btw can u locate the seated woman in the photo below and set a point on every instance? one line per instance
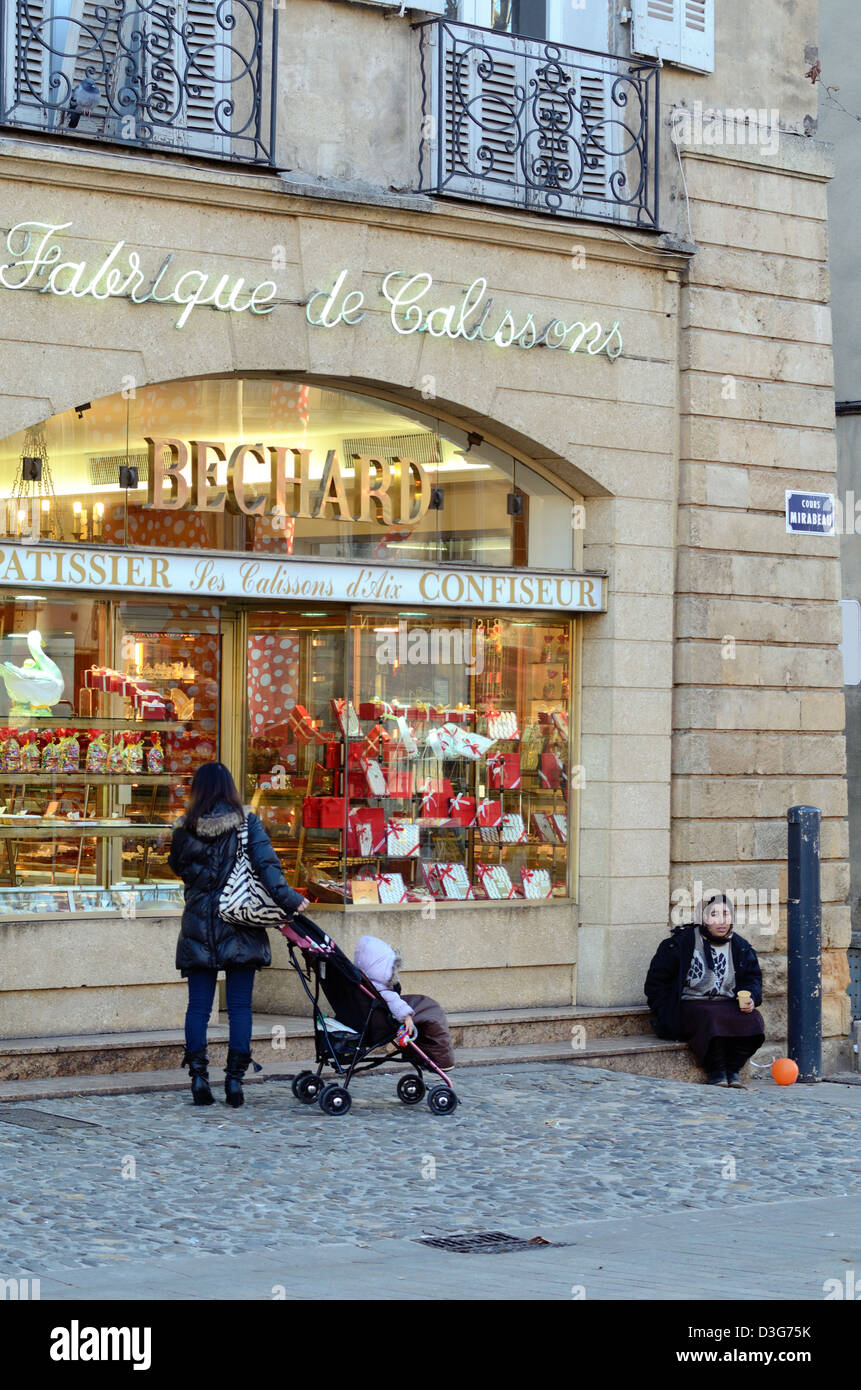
(703, 987)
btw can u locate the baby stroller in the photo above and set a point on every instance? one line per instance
(363, 1026)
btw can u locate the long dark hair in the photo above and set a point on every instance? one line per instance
(211, 784)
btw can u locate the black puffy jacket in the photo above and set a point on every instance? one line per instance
(668, 971)
(203, 860)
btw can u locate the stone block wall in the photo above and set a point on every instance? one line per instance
(758, 712)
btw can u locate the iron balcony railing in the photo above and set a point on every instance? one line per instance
(194, 77)
(538, 125)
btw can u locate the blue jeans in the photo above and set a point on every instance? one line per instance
(201, 992)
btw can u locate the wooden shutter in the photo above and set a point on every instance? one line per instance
(478, 114)
(677, 31)
(698, 35)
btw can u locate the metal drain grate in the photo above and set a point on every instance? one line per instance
(40, 1119)
(486, 1243)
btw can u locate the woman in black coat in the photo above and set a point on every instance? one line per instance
(202, 853)
(704, 985)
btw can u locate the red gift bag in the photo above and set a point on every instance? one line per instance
(503, 771)
(550, 771)
(366, 831)
(311, 812)
(401, 780)
(332, 811)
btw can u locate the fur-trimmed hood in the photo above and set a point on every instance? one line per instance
(218, 822)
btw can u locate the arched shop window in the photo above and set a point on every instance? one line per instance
(275, 465)
(398, 751)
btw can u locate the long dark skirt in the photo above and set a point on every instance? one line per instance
(705, 1019)
(434, 1037)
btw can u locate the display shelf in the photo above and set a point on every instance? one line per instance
(32, 828)
(96, 721)
(99, 779)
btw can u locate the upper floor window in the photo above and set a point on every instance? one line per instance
(556, 21)
(183, 75)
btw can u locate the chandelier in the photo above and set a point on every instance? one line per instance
(31, 510)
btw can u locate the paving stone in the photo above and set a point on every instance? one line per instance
(527, 1150)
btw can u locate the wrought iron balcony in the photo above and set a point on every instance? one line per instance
(191, 77)
(536, 125)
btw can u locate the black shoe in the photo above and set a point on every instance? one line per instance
(237, 1066)
(198, 1066)
(733, 1079)
(716, 1078)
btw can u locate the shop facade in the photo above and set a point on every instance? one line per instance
(436, 521)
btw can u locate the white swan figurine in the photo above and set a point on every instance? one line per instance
(37, 684)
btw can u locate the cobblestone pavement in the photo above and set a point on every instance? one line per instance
(151, 1178)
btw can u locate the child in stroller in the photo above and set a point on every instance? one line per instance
(365, 1033)
(424, 1017)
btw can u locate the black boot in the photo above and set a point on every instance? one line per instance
(237, 1066)
(198, 1066)
(716, 1063)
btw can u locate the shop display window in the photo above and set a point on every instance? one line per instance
(392, 757)
(443, 775)
(105, 711)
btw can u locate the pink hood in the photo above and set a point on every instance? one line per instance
(376, 959)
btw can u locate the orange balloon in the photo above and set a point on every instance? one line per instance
(784, 1071)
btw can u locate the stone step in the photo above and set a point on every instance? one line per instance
(288, 1038)
(641, 1055)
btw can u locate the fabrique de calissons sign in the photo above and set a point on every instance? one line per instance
(40, 263)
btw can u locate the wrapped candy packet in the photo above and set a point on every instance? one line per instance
(69, 750)
(97, 751)
(12, 754)
(116, 755)
(134, 754)
(155, 756)
(50, 754)
(31, 754)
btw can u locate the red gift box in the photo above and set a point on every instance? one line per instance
(462, 809)
(333, 756)
(375, 709)
(311, 812)
(357, 787)
(299, 723)
(152, 707)
(97, 678)
(503, 771)
(375, 818)
(550, 771)
(489, 813)
(434, 803)
(332, 811)
(374, 741)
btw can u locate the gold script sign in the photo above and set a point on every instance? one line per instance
(182, 475)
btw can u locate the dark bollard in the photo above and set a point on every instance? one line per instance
(804, 945)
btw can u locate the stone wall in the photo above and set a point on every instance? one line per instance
(758, 706)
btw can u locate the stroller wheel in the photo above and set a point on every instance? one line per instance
(335, 1100)
(442, 1100)
(307, 1087)
(411, 1090)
